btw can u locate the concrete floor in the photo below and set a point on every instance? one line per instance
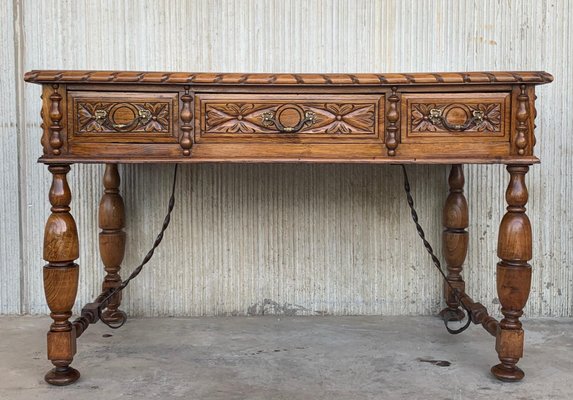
(285, 358)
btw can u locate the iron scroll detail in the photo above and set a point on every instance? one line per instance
(435, 259)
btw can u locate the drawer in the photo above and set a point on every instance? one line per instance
(457, 117)
(135, 117)
(289, 118)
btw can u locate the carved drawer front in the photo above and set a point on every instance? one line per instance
(136, 117)
(288, 118)
(455, 117)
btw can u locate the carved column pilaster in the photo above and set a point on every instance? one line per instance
(186, 122)
(56, 115)
(392, 117)
(522, 115)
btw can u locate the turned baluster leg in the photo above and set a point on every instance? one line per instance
(513, 275)
(61, 278)
(112, 239)
(455, 241)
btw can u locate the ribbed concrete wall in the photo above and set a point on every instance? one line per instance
(286, 238)
(10, 245)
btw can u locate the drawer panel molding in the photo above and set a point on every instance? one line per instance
(456, 115)
(289, 117)
(107, 117)
(123, 116)
(333, 118)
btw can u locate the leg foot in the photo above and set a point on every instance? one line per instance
(62, 376)
(114, 316)
(507, 373)
(448, 314)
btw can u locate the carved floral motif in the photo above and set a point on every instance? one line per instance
(491, 121)
(235, 118)
(89, 121)
(330, 118)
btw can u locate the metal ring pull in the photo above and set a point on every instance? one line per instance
(271, 118)
(438, 119)
(143, 117)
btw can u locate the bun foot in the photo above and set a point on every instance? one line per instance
(62, 376)
(449, 314)
(114, 316)
(507, 374)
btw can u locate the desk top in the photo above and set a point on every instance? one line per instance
(450, 78)
(161, 117)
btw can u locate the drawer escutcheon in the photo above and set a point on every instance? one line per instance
(305, 118)
(437, 118)
(143, 117)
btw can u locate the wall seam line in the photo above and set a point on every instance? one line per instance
(18, 27)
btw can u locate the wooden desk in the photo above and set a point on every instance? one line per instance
(155, 117)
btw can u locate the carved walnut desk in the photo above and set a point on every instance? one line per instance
(155, 117)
